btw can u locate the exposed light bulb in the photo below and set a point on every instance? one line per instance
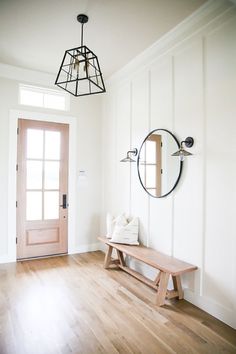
(86, 65)
(181, 157)
(76, 65)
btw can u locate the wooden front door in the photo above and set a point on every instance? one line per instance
(42, 174)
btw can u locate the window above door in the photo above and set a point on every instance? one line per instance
(43, 97)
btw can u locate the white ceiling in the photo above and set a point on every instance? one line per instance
(35, 33)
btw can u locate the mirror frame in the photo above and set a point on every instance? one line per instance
(180, 167)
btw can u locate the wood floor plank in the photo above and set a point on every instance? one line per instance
(71, 304)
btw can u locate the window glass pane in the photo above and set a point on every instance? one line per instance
(51, 205)
(51, 175)
(52, 145)
(34, 175)
(34, 144)
(151, 176)
(54, 101)
(33, 205)
(31, 98)
(151, 151)
(141, 172)
(142, 157)
(43, 97)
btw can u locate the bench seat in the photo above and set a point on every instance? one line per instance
(166, 265)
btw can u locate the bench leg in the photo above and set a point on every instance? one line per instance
(162, 289)
(177, 286)
(157, 279)
(121, 258)
(108, 257)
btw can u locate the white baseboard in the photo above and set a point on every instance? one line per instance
(6, 259)
(81, 249)
(206, 304)
(86, 248)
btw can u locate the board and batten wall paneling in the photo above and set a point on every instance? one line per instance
(189, 121)
(123, 131)
(189, 89)
(108, 157)
(220, 237)
(161, 116)
(140, 128)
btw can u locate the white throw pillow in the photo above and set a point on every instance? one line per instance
(126, 233)
(110, 222)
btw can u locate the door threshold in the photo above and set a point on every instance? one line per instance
(42, 257)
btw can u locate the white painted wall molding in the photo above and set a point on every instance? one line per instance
(190, 26)
(25, 75)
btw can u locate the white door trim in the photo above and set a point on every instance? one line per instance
(12, 177)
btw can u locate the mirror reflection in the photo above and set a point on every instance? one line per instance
(159, 172)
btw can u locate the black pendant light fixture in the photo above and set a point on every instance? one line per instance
(80, 72)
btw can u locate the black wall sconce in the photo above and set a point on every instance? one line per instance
(188, 142)
(128, 157)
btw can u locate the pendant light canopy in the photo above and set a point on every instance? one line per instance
(80, 72)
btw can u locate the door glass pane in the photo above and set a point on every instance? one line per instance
(52, 145)
(34, 175)
(51, 205)
(34, 144)
(33, 205)
(51, 175)
(151, 152)
(151, 176)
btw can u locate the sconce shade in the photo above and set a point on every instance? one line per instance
(128, 158)
(181, 152)
(80, 72)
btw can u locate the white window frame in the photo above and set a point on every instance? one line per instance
(44, 90)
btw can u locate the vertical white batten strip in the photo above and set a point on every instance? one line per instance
(173, 128)
(130, 133)
(149, 128)
(204, 166)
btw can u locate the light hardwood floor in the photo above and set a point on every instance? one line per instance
(71, 304)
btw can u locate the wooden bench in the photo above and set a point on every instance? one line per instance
(166, 266)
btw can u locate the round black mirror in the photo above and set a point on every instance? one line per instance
(158, 171)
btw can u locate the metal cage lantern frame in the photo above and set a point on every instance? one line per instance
(80, 72)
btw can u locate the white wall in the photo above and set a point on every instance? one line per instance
(87, 113)
(185, 83)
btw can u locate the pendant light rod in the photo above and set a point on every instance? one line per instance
(81, 18)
